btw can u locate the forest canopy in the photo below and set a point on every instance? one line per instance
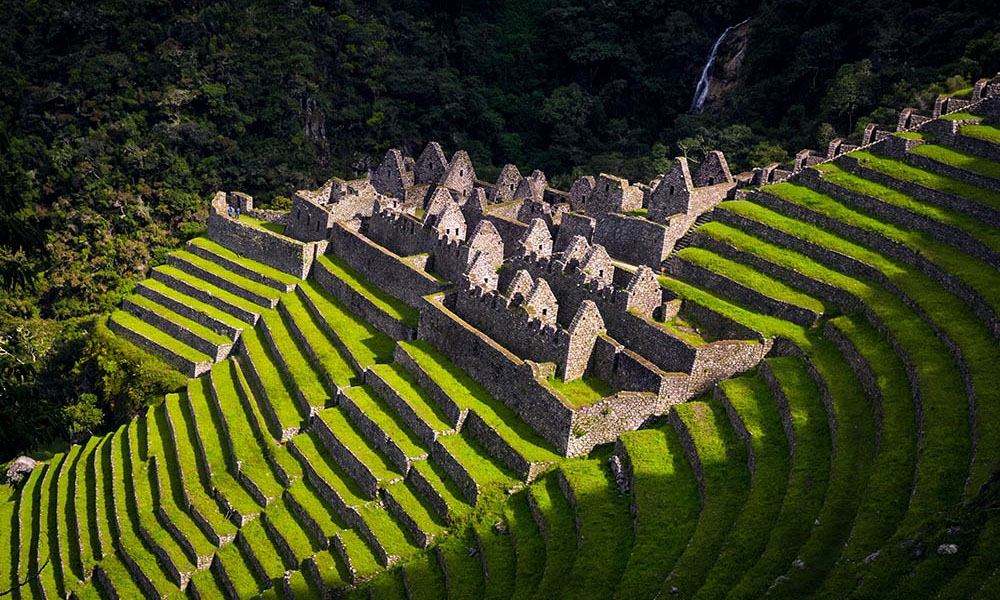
(119, 118)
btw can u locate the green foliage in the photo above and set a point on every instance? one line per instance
(123, 378)
(83, 417)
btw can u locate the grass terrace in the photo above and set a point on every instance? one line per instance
(987, 133)
(226, 253)
(961, 116)
(309, 445)
(330, 356)
(499, 558)
(666, 505)
(422, 404)
(752, 279)
(305, 377)
(47, 540)
(727, 482)
(362, 448)
(436, 476)
(224, 296)
(914, 135)
(373, 407)
(277, 391)
(329, 522)
(604, 535)
(468, 393)
(194, 327)
(807, 481)
(362, 559)
(388, 532)
(962, 160)
(227, 388)
(302, 543)
(263, 547)
(238, 572)
(416, 507)
(88, 546)
(265, 225)
(752, 401)
(333, 572)
(974, 227)
(583, 391)
(464, 571)
(206, 309)
(147, 331)
(203, 424)
(907, 172)
(66, 531)
(560, 537)
(365, 343)
(425, 578)
(391, 305)
(529, 545)
(203, 264)
(474, 458)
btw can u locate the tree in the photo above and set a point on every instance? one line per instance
(852, 89)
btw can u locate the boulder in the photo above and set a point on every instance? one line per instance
(20, 469)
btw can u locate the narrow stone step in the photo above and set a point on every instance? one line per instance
(383, 428)
(203, 313)
(244, 267)
(191, 333)
(218, 276)
(216, 297)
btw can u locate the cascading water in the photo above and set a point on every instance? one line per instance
(701, 91)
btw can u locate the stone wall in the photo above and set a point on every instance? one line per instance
(282, 253)
(633, 239)
(361, 305)
(381, 267)
(504, 375)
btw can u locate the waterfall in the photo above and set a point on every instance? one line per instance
(701, 90)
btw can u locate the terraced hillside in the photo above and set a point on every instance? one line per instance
(857, 461)
(318, 455)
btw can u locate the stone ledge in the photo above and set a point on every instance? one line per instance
(188, 367)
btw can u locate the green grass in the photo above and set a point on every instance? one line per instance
(806, 485)
(942, 467)
(958, 320)
(263, 548)
(605, 530)
(583, 391)
(332, 570)
(376, 409)
(327, 469)
(561, 540)
(751, 399)
(488, 474)
(186, 473)
(224, 296)
(362, 448)
(752, 279)
(666, 507)
(139, 493)
(986, 133)
(194, 327)
(203, 423)
(389, 304)
(464, 573)
(238, 571)
(305, 377)
(331, 358)
(361, 556)
(66, 528)
(961, 116)
(120, 578)
(325, 516)
(124, 528)
(83, 510)
(274, 228)
(972, 226)
(298, 538)
(277, 390)
(239, 281)
(425, 577)
(888, 494)
(727, 482)
(913, 135)
(389, 585)
(467, 393)
(388, 532)
(366, 344)
(528, 544)
(957, 158)
(46, 540)
(907, 172)
(148, 331)
(265, 270)
(195, 304)
(499, 558)
(435, 475)
(227, 387)
(422, 404)
(416, 507)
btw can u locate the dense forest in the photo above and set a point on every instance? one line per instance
(119, 118)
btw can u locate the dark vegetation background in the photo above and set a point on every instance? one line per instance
(118, 118)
